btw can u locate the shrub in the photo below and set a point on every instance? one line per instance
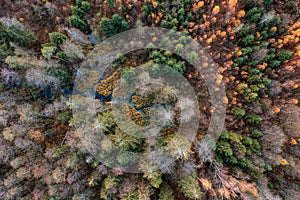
(248, 40)
(77, 19)
(284, 55)
(144, 191)
(128, 74)
(255, 18)
(85, 6)
(241, 61)
(13, 31)
(76, 22)
(57, 38)
(78, 2)
(289, 5)
(125, 141)
(224, 148)
(246, 50)
(252, 96)
(233, 148)
(246, 163)
(274, 22)
(267, 82)
(77, 11)
(59, 152)
(244, 31)
(111, 3)
(106, 26)
(264, 106)
(113, 26)
(154, 177)
(254, 11)
(105, 121)
(64, 117)
(62, 55)
(268, 2)
(48, 51)
(126, 157)
(21, 37)
(238, 113)
(252, 118)
(108, 183)
(179, 48)
(193, 57)
(79, 23)
(148, 8)
(5, 50)
(179, 147)
(166, 193)
(190, 187)
(120, 23)
(256, 133)
(275, 64)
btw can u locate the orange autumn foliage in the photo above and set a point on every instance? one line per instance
(223, 34)
(231, 5)
(293, 141)
(154, 4)
(241, 13)
(216, 10)
(283, 161)
(276, 109)
(197, 6)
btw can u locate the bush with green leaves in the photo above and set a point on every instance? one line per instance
(284, 55)
(179, 147)
(77, 19)
(248, 40)
(170, 23)
(241, 61)
(125, 141)
(234, 149)
(108, 183)
(252, 118)
(114, 25)
(190, 187)
(289, 5)
(13, 31)
(256, 133)
(179, 17)
(57, 38)
(85, 6)
(169, 59)
(77, 11)
(78, 22)
(275, 64)
(148, 8)
(48, 51)
(111, 3)
(128, 73)
(154, 177)
(238, 113)
(243, 31)
(254, 11)
(166, 193)
(257, 50)
(255, 18)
